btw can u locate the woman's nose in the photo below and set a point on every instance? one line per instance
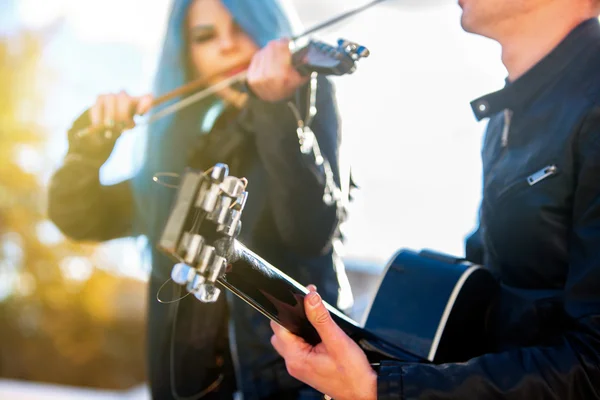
(228, 43)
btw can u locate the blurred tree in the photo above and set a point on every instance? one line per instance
(62, 320)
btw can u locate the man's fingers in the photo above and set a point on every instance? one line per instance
(331, 334)
(311, 288)
(277, 329)
(285, 341)
(278, 345)
(283, 333)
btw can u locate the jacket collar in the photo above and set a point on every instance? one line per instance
(524, 90)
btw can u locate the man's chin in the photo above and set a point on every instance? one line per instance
(467, 23)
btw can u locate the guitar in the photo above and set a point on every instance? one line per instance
(429, 307)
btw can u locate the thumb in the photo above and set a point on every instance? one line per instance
(284, 41)
(144, 103)
(331, 334)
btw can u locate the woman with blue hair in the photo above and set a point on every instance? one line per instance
(293, 212)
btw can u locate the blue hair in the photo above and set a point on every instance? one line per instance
(169, 140)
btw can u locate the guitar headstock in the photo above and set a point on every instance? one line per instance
(204, 221)
(329, 60)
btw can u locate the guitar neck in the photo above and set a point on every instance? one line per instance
(281, 299)
(276, 295)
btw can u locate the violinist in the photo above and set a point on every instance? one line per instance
(211, 351)
(539, 228)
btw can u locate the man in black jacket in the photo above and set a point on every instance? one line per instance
(539, 227)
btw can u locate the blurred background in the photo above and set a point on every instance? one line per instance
(71, 315)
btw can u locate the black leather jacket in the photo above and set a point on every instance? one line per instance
(285, 220)
(540, 232)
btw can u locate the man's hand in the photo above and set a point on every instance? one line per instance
(271, 75)
(336, 367)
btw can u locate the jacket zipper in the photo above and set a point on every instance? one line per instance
(532, 179)
(541, 174)
(506, 129)
(503, 142)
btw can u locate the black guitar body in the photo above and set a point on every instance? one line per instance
(432, 305)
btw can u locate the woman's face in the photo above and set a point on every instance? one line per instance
(216, 42)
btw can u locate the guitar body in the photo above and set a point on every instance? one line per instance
(432, 305)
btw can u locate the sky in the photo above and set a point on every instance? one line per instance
(408, 130)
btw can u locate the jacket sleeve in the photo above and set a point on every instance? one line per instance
(566, 369)
(298, 182)
(78, 204)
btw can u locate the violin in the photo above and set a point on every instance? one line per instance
(315, 57)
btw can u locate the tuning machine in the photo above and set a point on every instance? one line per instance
(355, 50)
(201, 278)
(223, 198)
(202, 249)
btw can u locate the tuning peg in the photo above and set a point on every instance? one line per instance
(182, 273)
(194, 246)
(216, 269)
(353, 48)
(343, 43)
(195, 284)
(219, 172)
(184, 243)
(363, 52)
(207, 293)
(205, 259)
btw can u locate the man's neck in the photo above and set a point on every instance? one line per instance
(538, 34)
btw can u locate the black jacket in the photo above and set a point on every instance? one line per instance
(539, 231)
(285, 220)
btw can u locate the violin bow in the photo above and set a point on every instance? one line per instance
(337, 19)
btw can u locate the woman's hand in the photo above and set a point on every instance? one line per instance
(233, 96)
(336, 366)
(115, 111)
(271, 75)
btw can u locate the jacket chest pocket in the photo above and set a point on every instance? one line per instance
(523, 201)
(536, 178)
(527, 224)
(530, 207)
